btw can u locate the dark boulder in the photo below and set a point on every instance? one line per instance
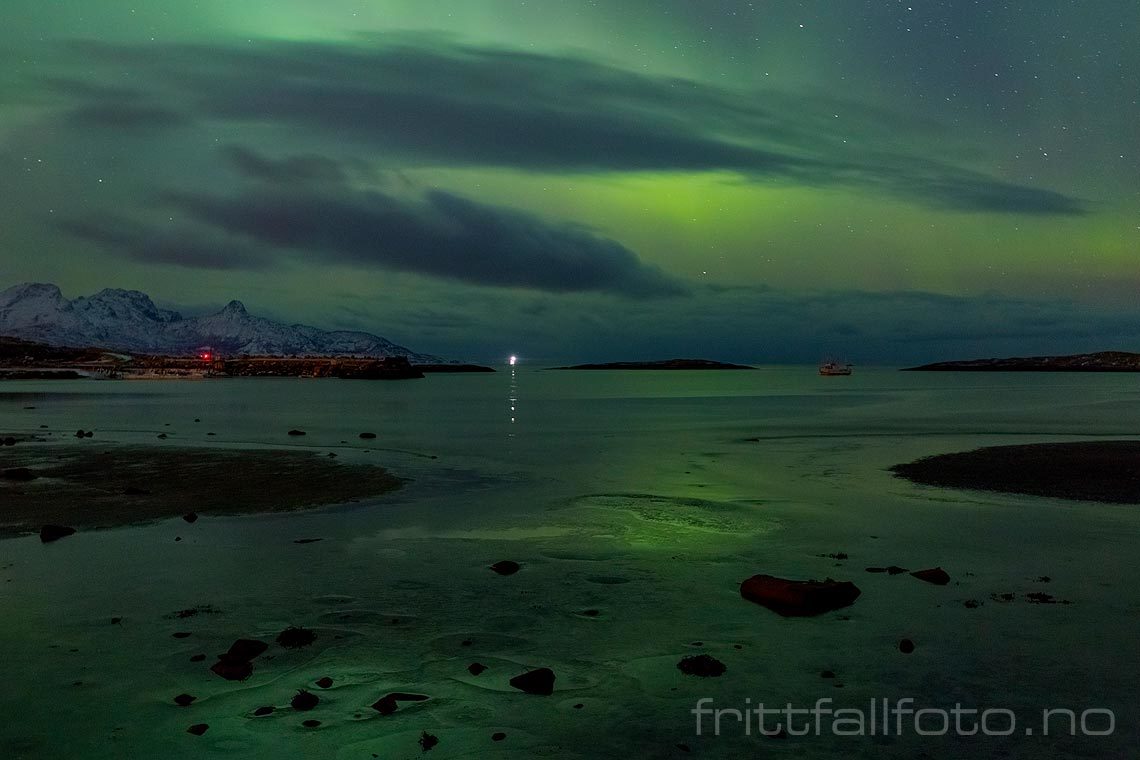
(799, 598)
(304, 700)
(906, 646)
(476, 668)
(19, 474)
(261, 712)
(190, 517)
(325, 683)
(539, 681)
(935, 575)
(232, 670)
(245, 650)
(49, 533)
(367, 436)
(389, 703)
(506, 567)
(198, 729)
(310, 723)
(428, 741)
(296, 433)
(892, 570)
(498, 736)
(296, 637)
(701, 665)
(235, 664)
(184, 700)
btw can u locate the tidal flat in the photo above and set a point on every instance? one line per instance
(592, 529)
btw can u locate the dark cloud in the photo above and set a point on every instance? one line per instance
(95, 105)
(125, 116)
(178, 245)
(291, 171)
(304, 207)
(426, 102)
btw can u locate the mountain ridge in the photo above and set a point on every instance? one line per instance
(128, 320)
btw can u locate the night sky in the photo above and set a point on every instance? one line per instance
(617, 179)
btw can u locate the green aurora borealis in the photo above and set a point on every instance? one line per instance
(764, 181)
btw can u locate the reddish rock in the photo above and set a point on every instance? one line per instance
(539, 681)
(935, 575)
(799, 598)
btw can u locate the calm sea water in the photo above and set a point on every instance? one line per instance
(646, 497)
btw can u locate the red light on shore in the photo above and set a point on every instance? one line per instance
(205, 356)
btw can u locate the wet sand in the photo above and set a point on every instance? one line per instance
(100, 486)
(1088, 471)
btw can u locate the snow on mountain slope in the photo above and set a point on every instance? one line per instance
(128, 320)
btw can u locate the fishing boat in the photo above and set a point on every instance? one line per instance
(834, 369)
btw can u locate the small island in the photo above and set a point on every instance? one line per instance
(673, 364)
(1103, 361)
(1086, 471)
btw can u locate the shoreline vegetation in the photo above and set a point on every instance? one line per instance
(1102, 361)
(1101, 471)
(25, 360)
(670, 364)
(114, 486)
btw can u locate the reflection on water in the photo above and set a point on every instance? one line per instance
(513, 394)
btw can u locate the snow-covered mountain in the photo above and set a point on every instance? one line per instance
(127, 320)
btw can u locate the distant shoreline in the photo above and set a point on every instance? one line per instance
(1103, 361)
(26, 360)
